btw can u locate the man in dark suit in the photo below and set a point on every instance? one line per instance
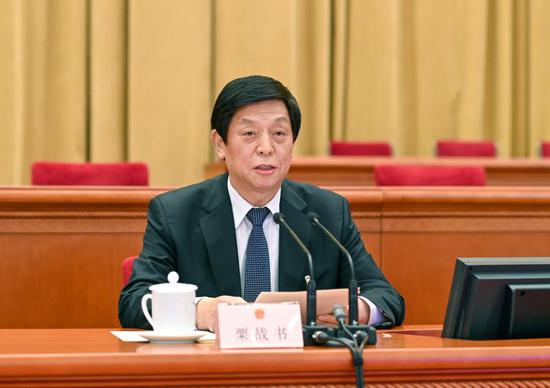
(207, 234)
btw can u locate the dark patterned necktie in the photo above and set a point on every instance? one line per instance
(256, 269)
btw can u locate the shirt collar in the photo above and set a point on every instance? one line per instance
(241, 206)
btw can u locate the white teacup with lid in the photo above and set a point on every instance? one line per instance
(172, 305)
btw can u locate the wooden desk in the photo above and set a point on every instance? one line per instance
(61, 249)
(358, 171)
(417, 355)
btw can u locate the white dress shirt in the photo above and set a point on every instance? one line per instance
(243, 228)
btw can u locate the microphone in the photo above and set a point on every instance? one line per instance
(352, 291)
(311, 327)
(338, 312)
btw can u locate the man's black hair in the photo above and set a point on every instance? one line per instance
(248, 90)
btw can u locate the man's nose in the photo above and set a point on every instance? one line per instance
(265, 145)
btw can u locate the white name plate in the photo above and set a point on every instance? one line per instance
(259, 325)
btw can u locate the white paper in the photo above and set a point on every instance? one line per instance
(326, 299)
(208, 338)
(128, 336)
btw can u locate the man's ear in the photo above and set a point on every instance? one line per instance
(219, 144)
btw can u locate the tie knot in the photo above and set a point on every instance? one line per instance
(257, 215)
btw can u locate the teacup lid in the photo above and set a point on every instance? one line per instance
(173, 285)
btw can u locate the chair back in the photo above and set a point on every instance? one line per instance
(416, 175)
(545, 149)
(360, 148)
(90, 174)
(466, 148)
(127, 267)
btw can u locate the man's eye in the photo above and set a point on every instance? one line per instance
(248, 133)
(280, 133)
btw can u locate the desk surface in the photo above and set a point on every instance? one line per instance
(94, 357)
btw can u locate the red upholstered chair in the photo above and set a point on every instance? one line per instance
(415, 175)
(360, 148)
(127, 267)
(466, 148)
(545, 149)
(90, 174)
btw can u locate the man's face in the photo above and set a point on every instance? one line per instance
(258, 149)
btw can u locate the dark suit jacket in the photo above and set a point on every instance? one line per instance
(191, 230)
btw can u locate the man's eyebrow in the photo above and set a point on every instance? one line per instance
(246, 121)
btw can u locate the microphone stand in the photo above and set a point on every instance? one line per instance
(353, 327)
(310, 328)
(353, 335)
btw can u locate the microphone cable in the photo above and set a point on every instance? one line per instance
(356, 352)
(340, 316)
(355, 346)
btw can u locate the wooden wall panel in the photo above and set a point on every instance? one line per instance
(424, 231)
(63, 279)
(61, 252)
(61, 249)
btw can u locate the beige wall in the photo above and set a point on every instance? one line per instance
(110, 80)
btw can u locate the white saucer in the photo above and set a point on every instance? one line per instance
(172, 337)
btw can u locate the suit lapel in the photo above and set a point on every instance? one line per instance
(292, 260)
(218, 231)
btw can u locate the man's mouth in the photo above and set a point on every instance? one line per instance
(264, 167)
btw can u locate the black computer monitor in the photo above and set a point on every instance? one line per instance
(498, 298)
